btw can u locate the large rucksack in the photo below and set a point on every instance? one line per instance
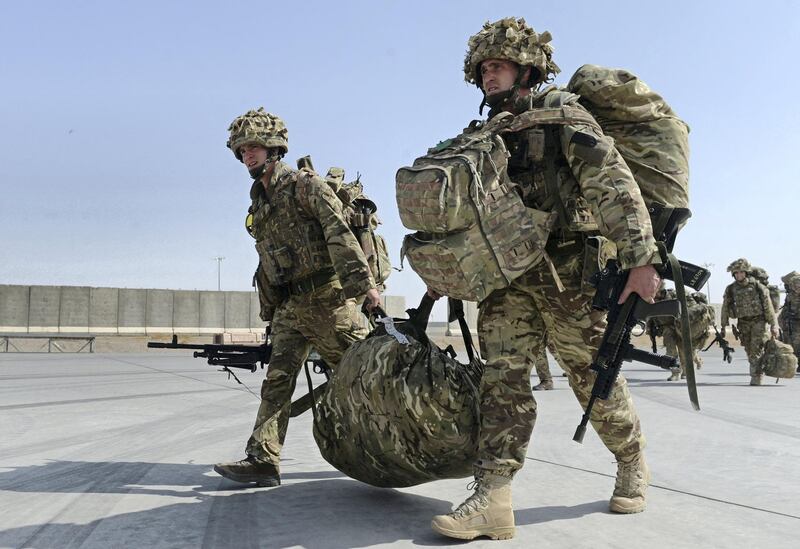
(362, 218)
(398, 410)
(701, 316)
(778, 360)
(474, 233)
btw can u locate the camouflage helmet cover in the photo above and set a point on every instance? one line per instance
(760, 274)
(791, 280)
(740, 264)
(700, 297)
(511, 39)
(260, 127)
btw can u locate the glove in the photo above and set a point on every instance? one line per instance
(722, 331)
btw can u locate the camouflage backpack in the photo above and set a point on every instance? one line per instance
(362, 218)
(398, 410)
(778, 360)
(474, 234)
(701, 316)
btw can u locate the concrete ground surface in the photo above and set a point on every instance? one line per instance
(116, 450)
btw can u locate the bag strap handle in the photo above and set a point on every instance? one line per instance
(456, 312)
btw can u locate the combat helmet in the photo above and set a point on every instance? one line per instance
(791, 280)
(700, 297)
(760, 274)
(740, 264)
(260, 127)
(511, 39)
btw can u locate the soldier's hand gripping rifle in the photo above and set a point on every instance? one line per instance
(727, 350)
(616, 346)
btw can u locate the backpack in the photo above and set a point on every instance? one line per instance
(701, 316)
(398, 410)
(362, 218)
(778, 360)
(474, 233)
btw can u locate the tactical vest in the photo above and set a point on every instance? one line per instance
(538, 165)
(290, 244)
(791, 307)
(746, 301)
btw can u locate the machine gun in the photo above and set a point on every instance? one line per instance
(247, 357)
(616, 346)
(727, 350)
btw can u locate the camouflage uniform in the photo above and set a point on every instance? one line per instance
(789, 318)
(305, 311)
(748, 301)
(311, 270)
(593, 180)
(540, 361)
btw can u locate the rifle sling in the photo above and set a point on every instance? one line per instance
(685, 348)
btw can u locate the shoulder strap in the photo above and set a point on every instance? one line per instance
(456, 312)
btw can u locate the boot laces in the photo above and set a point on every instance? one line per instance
(630, 478)
(477, 501)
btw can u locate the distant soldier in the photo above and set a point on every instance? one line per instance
(774, 293)
(747, 300)
(311, 271)
(789, 318)
(665, 327)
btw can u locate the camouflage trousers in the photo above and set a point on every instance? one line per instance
(321, 319)
(540, 360)
(673, 339)
(753, 334)
(510, 328)
(791, 335)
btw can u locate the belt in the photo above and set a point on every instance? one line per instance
(311, 282)
(749, 318)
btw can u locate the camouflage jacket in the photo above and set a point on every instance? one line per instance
(300, 230)
(790, 312)
(595, 184)
(747, 299)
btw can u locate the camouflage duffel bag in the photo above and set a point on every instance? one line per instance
(398, 410)
(778, 360)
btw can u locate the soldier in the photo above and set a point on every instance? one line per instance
(541, 364)
(747, 300)
(789, 318)
(508, 61)
(311, 271)
(774, 293)
(667, 329)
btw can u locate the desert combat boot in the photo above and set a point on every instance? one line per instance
(633, 477)
(487, 512)
(250, 469)
(545, 385)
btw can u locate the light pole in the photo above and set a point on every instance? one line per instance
(219, 269)
(708, 267)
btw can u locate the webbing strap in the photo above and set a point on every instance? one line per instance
(685, 348)
(551, 174)
(311, 392)
(456, 307)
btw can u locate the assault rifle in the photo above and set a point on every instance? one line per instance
(654, 330)
(616, 346)
(727, 350)
(247, 357)
(736, 333)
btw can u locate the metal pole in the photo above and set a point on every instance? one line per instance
(708, 267)
(219, 269)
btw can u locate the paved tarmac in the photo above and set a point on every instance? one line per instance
(116, 450)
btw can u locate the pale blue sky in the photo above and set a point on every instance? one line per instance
(113, 119)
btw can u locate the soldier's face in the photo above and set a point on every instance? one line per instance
(253, 156)
(497, 76)
(739, 275)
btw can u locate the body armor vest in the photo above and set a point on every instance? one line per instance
(539, 167)
(792, 306)
(746, 300)
(291, 244)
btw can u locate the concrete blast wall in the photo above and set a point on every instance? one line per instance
(81, 309)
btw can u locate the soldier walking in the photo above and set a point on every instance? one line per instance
(748, 301)
(508, 61)
(789, 318)
(311, 273)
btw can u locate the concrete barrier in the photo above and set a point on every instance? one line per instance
(43, 310)
(14, 308)
(186, 311)
(104, 310)
(132, 311)
(212, 313)
(237, 312)
(73, 309)
(159, 311)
